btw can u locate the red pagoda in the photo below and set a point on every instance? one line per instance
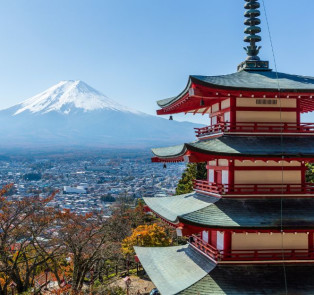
(251, 223)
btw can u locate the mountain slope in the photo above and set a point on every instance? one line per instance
(72, 113)
(67, 96)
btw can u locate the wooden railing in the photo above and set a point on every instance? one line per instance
(250, 255)
(253, 189)
(255, 128)
(204, 247)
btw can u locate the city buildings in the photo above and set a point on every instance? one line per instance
(88, 179)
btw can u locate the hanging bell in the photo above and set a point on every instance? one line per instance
(165, 166)
(170, 118)
(202, 103)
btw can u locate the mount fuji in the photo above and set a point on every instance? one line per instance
(73, 114)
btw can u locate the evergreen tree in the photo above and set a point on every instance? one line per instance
(310, 173)
(193, 171)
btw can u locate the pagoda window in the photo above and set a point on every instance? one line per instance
(209, 237)
(227, 117)
(220, 240)
(214, 120)
(266, 102)
(251, 116)
(225, 177)
(275, 241)
(269, 163)
(269, 172)
(267, 110)
(215, 108)
(223, 163)
(225, 104)
(218, 171)
(205, 236)
(211, 175)
(267, 177)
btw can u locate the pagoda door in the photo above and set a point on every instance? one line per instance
(227, 120)
(211, 176)
(227, 117)
(218, 177)
(220, 119)
(220, 240)
(205, 236)
(225, 179)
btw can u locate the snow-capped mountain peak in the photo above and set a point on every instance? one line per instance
(68, 96)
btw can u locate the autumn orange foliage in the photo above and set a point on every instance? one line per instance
(146, 236)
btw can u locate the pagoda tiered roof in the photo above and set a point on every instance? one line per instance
(240, 146)
(172, 207)
(251, 214)
(174, 269)
(183, 270)
(251, 222)
(244, 84)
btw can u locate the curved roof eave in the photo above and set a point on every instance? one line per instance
(261, 81)
(174, 269)
(168, 101)
(254, 214)
(243, 146)
(169, 208)
(170, 152)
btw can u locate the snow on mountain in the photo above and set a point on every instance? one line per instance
(73, 114)
(66, 96)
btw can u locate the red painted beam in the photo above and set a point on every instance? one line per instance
(209, 94)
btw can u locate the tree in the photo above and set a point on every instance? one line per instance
(192, 172)
(19, 228)
(108, 198)
(35, 237)
(310, 172)
(83, 238)
(124, 219)
(146, 236)
(32, 176)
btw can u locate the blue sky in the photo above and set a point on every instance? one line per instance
(138, 51)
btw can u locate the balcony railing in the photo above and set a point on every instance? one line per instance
(251, 255)
(242, 127)
(253, 189)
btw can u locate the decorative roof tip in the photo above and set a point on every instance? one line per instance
(253, 62)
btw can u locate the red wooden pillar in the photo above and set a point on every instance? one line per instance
(311, 242)
(231, 173)
(227, 243)
(233, 112)
(298, 113)
(303, 172)
(213, 238)
(218, 176)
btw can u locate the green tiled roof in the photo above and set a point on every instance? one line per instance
(263, 146)
(173, 269)
(255, 280)
(170, 151)
(172, 207)
(249, 80)
(254, 213)
(183, 270)
(262, 80)
(168, 101)
(211, 212)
